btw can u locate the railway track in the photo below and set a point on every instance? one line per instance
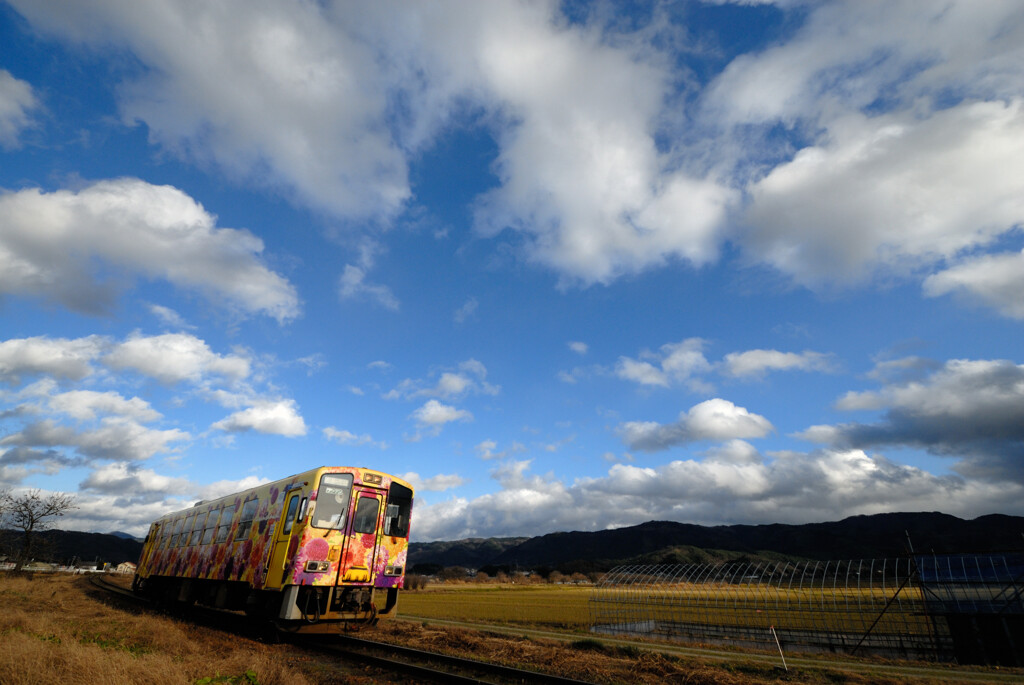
(413, 664)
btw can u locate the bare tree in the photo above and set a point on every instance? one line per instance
(31, 513)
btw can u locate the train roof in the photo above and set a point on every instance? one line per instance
(309, 475)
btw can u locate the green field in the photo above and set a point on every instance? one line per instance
(554, 606)
(570, 607)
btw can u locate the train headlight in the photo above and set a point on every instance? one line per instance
(393, 570)
(317, 566)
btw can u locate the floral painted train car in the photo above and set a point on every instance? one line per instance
(309, 552)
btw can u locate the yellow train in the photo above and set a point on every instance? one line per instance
(309, 552)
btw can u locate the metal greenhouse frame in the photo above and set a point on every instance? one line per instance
(923, 607)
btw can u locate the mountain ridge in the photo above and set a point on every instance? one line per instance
(862, 536)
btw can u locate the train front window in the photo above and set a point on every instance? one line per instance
(366, 515)
(332, 500)
(396, 516)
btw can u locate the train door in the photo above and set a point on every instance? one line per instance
(282, 537)
(361, 537)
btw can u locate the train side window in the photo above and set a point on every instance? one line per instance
(225, 525)
(245, 521)
(186, 530)
(174, 534)
(289, 516)
(211, 527)
(332, 500)
(399, 509)
(365, 520)
(197, 530)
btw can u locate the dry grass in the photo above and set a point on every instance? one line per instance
(53, 629)
(593, 661)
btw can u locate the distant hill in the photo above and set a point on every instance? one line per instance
(62, 546)
(857, 537)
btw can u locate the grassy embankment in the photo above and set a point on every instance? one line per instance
(55, 629)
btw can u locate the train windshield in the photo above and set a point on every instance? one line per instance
(396, 517)
(332, 500)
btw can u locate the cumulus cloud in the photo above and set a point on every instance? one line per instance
(307, 102)
(60, 357)
(352, 284)
(52, 246)
(672, 363)
(175, 357)
(758, 362)
(274, 417)
(314, 110)
(433, 413)
(996, 281)
(969, 410)
(913, 117)
(714, 419)
(85, 405)
(733, 485)
(344, 437)
(122, 477)
(16, 102)
(578, 347)
(169, 317)
(115, 438)
(892, 192)
(488, 449)
(469, 377)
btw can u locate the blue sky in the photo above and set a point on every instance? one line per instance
(563, 266)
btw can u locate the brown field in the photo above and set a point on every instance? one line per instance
(59, 629)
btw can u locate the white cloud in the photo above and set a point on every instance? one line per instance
(344, 437)
(488, 449)
(305, 104)
(714, 419)
(995, 280)
(434, 414)
(854, 55)
(51, 245)
(892, 192)
(673, 363)
(175, 357)
(312, 109)
(16, 101)
(352, 284)
(467, 310)
(169, 317)
(275, 417)
(758, 362)
(122, 477)
(578, 347)
(468, 377)
(226, 487)
(61, 357)
(438, 483)
(116, 438)
(85, 405)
